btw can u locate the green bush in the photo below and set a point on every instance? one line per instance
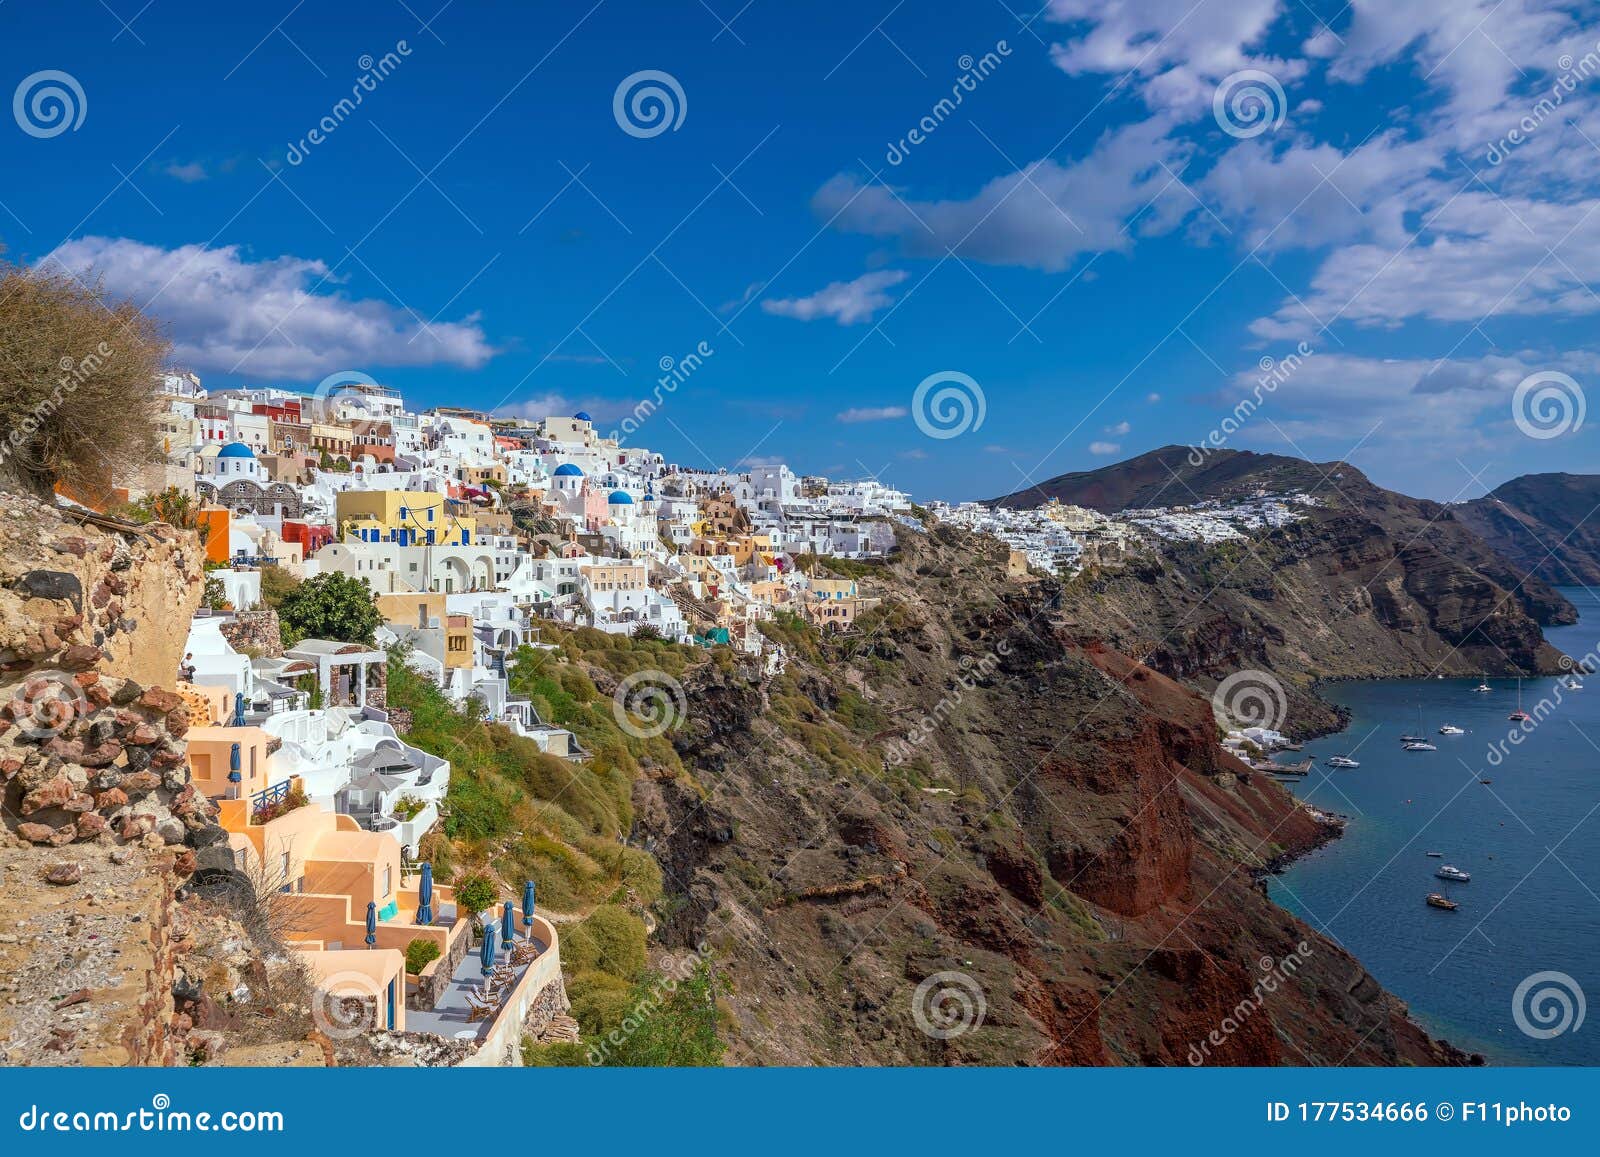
(474, 893)
(420, 953)
(611, 940)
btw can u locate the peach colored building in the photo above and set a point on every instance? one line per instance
(218, 754)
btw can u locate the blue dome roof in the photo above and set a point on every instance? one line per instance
(236, 450)
(620, 498)
(580, 416)
(568, 470)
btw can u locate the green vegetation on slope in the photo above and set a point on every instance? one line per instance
(524, 814)
(519, 814)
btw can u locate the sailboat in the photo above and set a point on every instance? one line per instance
(1519, 715)
(1416, 736)
(1483, 687)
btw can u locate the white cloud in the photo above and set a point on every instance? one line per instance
(1120, 429)
(1310, 195)
(1480, 255)
(1041, 217)
(188, 173)
(872, 413)
(1104, 448)
(560, 405)
(1177, 49)
(267, 318)
(846, 302)
(1331, 402)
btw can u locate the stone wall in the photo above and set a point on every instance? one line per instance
(74, 597)
(255, 632)
(91, 745)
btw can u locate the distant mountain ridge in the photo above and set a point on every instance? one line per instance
(1544, 523)
(1170, 477)
(1370, 583)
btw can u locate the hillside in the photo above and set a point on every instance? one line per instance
(1542, 523)
(1370, 583)
(968, 791)
(1168, 477)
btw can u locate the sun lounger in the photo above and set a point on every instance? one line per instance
(479, 1008)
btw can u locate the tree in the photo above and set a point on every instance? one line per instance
(475, 892)
(214, 595)
(172, 506)
(420, 953)
(79, 398)
(330, 606)
(276, 585)
(674, 1022)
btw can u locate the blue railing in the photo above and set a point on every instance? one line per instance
(270, 797)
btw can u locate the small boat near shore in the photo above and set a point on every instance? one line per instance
(1301, 768)
(1420, 745)
(1342, 761)
(1452, 729)
(1450, 872)
(1438, 900)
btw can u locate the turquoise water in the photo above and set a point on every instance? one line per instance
(1530, 839)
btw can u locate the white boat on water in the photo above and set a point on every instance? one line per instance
(1452, 729)
(1342, 761)
(1483, 688)
(1420, 745)
(1447, 872)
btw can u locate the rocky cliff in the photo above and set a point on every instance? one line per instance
(974, 833)
(1369, 584)
(1542, 523)
(110, 957)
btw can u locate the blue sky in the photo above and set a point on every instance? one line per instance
(1106, 249)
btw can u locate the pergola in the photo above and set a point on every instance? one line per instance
(332, 660)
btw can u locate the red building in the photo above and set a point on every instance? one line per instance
(310, 536)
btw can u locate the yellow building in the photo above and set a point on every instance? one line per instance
(406, 517)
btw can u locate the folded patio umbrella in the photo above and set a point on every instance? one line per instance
(508, 925)
(486, 954)
(425, 896)
(527, 908)
(372, 923)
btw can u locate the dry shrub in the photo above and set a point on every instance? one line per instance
(79, 392)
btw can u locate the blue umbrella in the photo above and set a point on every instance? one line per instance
(425, 896)
(527, 908)
(508, 925)
(238, 708)
(372, 924)
(486, 955)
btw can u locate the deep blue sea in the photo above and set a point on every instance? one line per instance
(1530, 839)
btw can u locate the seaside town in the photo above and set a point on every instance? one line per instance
(472, 535)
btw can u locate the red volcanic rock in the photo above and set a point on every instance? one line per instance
(141, 782)
(80, 656)
(53, 792)
(91, 825)
(159, 699)
(135, 827)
